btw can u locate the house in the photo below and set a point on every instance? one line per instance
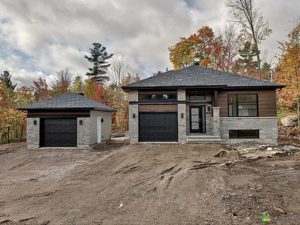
(69, 120)
(196, 105)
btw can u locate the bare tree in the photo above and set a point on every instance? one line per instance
(118, 69)
(252, 23)
(230, 41)
(62, 83)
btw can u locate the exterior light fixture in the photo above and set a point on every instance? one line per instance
(80, 122)
(182, 115)
(34, 122)
(102, 120)
(133, 115)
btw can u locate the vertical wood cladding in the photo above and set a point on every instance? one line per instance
(158, 108)
(266, 102)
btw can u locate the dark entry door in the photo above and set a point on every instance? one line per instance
(197, 119)
(158, 127)
(58, 132)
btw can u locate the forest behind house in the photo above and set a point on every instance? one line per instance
(236, 49)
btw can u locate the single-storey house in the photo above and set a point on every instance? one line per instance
(68, 120)
(200, 105)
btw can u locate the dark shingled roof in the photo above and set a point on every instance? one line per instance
(196, 76)
(68, 101)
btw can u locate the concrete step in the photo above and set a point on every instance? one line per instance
(203, 139)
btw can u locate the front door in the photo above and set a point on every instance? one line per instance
(197, 119)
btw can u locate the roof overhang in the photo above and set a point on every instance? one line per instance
(275, 86)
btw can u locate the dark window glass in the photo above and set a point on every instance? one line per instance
(245, 134)
(242, 105)
(157, 96)
(197, 98)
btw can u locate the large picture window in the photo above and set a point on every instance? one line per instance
(243, 105)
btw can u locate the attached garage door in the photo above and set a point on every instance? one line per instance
(158, 127)
(59, 132)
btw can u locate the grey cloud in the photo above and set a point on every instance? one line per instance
(56, 34)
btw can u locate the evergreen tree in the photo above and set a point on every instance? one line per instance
(246, 58)
(5, 80)
(98, 58)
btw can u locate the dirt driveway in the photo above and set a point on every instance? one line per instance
(139, 184)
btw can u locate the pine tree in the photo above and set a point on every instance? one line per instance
(5, 80)
(98, 58)
(246, 59)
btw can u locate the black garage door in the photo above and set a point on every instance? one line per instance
(158, 127)
(58, 132)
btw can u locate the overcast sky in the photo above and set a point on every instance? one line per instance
(40, 37)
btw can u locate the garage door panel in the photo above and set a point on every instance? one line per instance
(59, 132)
(158, 127)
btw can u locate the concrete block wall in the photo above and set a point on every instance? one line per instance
(83, 132)
(267, 126)
(33, 133)
(181, 109)
(133, 122)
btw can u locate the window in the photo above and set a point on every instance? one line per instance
(158, 96)
(244, 134)
(243, 105)
(197, 98)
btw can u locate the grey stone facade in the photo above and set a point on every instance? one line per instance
(181, 108)
(133, 114)
(83, 132)
(216, 126)
(86, 133)
(33, 133)
(267, 127)
(216, 121)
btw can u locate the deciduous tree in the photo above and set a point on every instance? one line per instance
(289, 70)
(254, 27)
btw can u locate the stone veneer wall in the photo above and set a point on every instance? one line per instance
(181, 96)
(267, 127)
(33, 133)
(133, 122)
(83, 132)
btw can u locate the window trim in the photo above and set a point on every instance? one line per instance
(237, 104)
(237, 136)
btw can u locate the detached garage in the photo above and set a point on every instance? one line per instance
(69, 120)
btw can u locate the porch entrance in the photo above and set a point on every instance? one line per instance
(198, 119)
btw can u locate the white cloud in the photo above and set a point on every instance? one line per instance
(42, 37)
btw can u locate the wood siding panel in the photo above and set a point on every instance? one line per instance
(158, 108)
(266, 102)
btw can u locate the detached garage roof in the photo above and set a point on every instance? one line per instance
(68, 101)
(197, 76)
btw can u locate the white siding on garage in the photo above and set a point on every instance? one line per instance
(105, 126)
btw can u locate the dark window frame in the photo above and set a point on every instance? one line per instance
(236, 134)
(237, 104)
